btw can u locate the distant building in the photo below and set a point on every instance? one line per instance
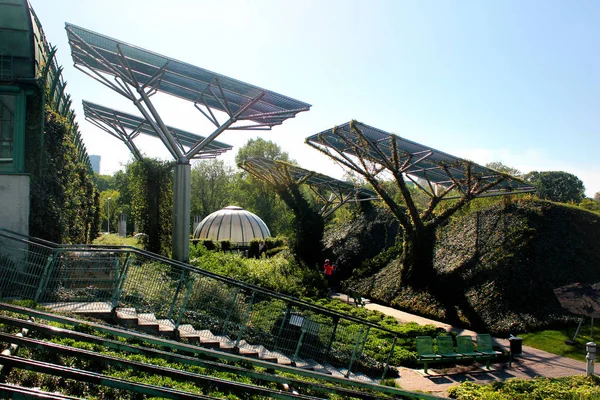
(95, 161)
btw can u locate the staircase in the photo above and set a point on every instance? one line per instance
(149, 293)
(148, 323)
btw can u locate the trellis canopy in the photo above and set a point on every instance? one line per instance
(126, 127)
(333, 192)
(412, 159)
(101, 53)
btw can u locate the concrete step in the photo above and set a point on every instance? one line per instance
(126, 316)
(95, 309)
(166, 327)
(203, 337)
(147, 322)
(311, 365)
(265, 354)
(356, 376)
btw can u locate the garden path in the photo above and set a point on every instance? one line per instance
(532, 363)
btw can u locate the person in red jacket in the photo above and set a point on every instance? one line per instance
(328, 270)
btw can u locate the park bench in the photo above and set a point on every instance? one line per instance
(425, 352)
(486, 347)
(464, 345)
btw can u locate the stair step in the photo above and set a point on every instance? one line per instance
(126, 316)
(262, 352)
(334, 371)
(148, 322)
(311, 365)
(166, 327)
(358, 376)
(203, 337)
(96, 309)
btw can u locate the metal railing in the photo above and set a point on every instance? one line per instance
(46, 272)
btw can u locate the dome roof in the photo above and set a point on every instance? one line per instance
(232, 223)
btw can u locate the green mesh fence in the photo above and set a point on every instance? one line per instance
(213, 305)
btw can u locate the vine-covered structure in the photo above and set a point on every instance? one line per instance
(45, 172)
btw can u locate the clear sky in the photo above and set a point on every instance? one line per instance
(510, 81)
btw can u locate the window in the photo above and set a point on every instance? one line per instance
(7, 128)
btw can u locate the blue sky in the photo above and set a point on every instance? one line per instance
(510, 81)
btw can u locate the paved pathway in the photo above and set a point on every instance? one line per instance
(531, 363)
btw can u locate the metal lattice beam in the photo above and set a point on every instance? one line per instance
(138, 74)
(333, 193)
(436, 173)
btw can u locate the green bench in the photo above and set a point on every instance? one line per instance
(446, 352)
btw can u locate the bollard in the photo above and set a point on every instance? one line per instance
(590, 347)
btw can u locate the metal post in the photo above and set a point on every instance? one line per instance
(119, 289)
(181, 211)
(299, 345)
(336, 320)
(45, 277)
(356, 346)
(243, 322)
(590, 347)
(108, 218)
(226, 322)
(185, 301)
(177, 290)
(387, 360)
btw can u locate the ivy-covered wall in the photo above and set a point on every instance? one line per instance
(64, 201)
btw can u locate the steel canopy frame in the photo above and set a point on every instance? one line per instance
(438, 170)
(340, 192)
(137, 74)
(127, 127)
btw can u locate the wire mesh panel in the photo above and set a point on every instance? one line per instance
(22, 265)
(150, 286)
(207, 304)
(80, 276)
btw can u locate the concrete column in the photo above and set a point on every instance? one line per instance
(181, 210)
(122, 225)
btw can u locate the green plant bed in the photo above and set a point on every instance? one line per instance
(574, 387)
(555, 341)
(115, 239)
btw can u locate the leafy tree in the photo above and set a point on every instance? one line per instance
(590, 205)
(376, 160)
(500, 167)
(597, 197)
(260, 148)
(104, 182)
(150, 185)
(256, 196)
(558, 186)
(211, 182)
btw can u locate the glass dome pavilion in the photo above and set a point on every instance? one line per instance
(232, 223)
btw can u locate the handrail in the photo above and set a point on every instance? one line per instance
(222, 278)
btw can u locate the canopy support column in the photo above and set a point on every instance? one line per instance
(181, 210)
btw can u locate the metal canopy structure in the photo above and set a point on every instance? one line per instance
(332, 192)
(127, 127)
(417, 162)
(138, 74)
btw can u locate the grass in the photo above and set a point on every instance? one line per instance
(115, 239)
(554, 341)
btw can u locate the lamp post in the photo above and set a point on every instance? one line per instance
(108, 218)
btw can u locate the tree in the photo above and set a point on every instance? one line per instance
(260, 148)
(500, 167)
(255, 195)
(211, 182)
(379, 160)
(150, 185)
(308, 223)
(558, 186)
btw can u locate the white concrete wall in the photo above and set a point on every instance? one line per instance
(14, 203)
